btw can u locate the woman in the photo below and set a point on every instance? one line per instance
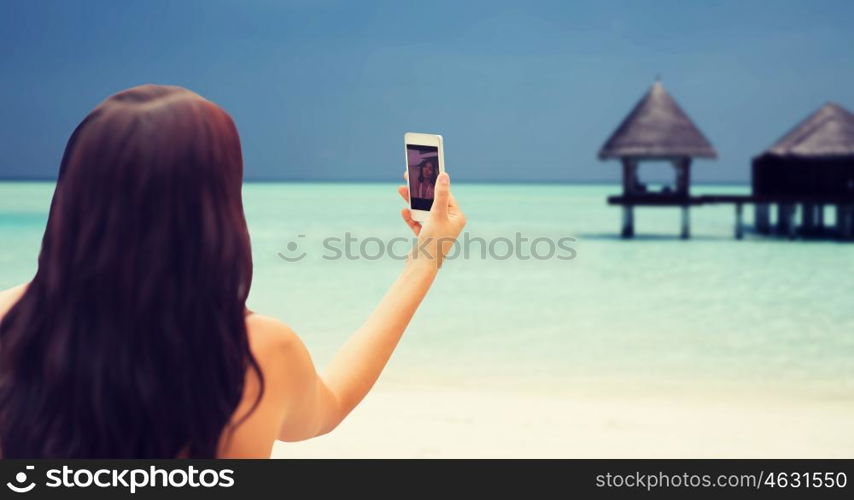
(133, 339)
(427, 175)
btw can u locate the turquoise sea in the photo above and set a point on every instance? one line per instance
(761, 312)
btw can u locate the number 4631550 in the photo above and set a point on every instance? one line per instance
(806, 480)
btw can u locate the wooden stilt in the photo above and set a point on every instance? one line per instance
(819, 218)
(686, 222)
(762, 218)
(808, 218)
(782, 218)
(628, 221)
(739, 225)
(791, 227)
(844, 222)
(786, 219)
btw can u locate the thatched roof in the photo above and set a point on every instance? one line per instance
(829, 132)
(657, 127)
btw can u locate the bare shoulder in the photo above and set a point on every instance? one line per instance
(269, 337)
(281, 355)
(9, 297)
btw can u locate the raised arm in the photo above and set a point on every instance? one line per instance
(318, 404)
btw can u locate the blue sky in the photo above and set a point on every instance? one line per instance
(520, 90)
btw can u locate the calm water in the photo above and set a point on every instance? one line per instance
(656, 309)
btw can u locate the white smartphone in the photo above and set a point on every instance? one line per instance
(425, 160)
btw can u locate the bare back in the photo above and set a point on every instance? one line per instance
(271, 343)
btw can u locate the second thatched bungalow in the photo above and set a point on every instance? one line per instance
(811, 168)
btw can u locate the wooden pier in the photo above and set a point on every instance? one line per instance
(811, 210)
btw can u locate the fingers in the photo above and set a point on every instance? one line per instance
(452, 203)
(407, 217)
(441, 195)
(406, 213)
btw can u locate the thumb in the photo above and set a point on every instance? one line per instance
(441, 195)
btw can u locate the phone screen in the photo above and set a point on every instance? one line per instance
(422, 163)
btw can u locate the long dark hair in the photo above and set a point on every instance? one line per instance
(131, 342)
(422, 178)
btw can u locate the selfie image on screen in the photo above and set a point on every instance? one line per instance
(423, 166)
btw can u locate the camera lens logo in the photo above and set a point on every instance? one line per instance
(21, 478)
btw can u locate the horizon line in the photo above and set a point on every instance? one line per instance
(273, 180)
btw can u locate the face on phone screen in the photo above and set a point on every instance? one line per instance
(422, 163)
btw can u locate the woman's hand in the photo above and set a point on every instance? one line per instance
(444, 223)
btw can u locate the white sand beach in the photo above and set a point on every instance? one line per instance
(666, 423)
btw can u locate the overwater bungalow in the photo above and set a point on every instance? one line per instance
(810, 167)
(656, 129)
